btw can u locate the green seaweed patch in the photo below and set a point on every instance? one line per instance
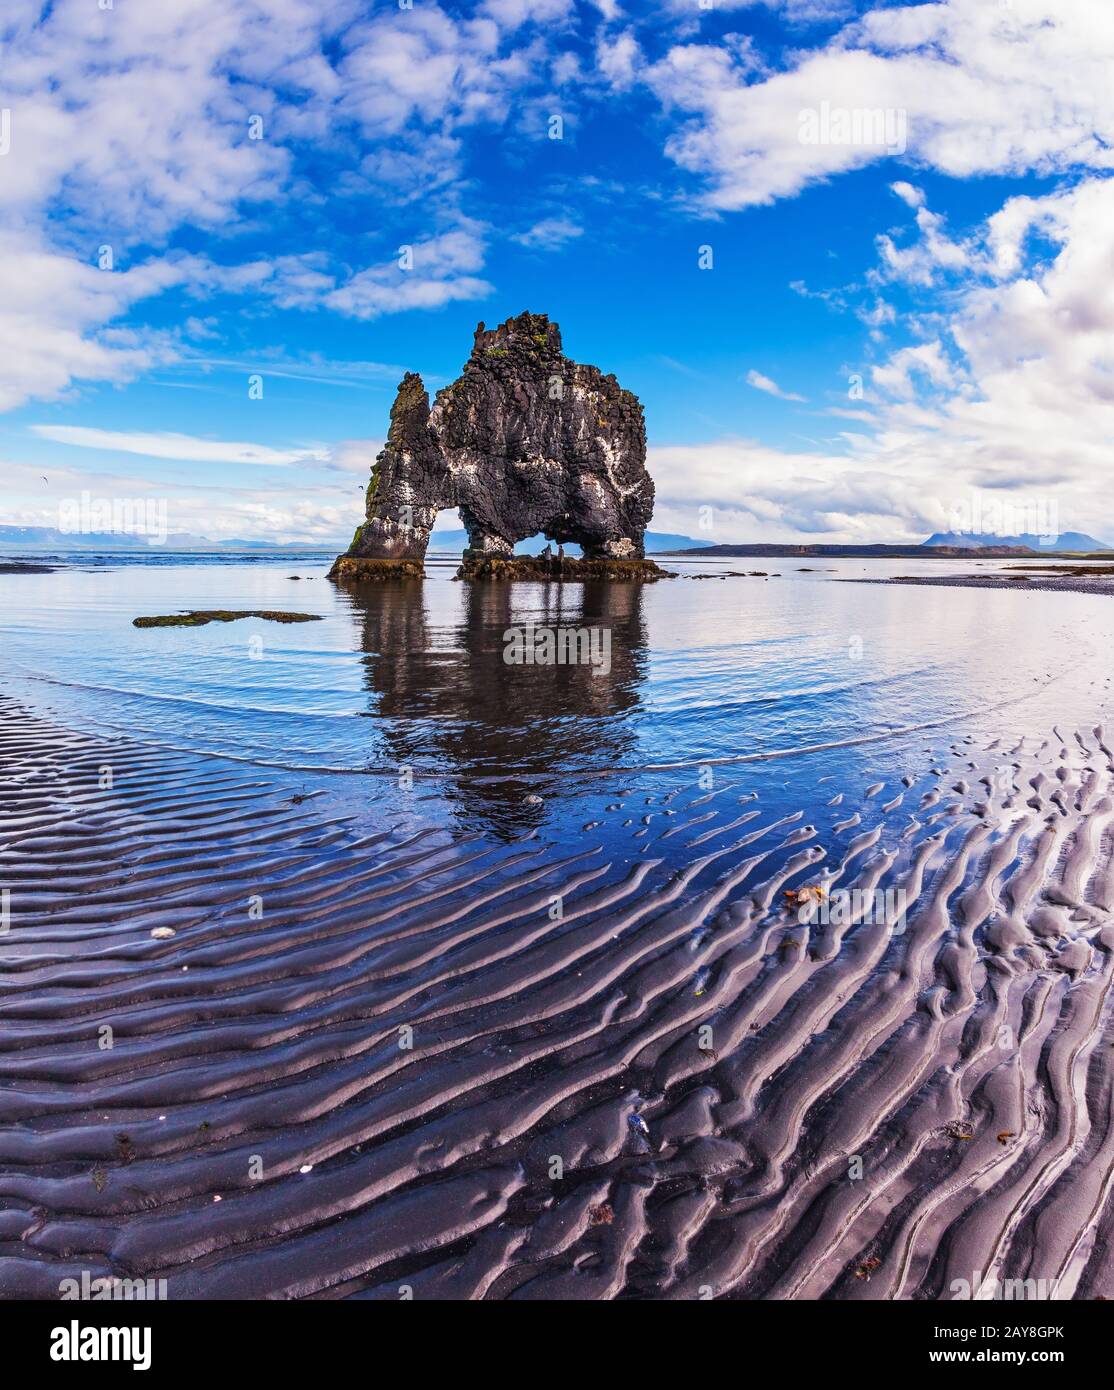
(199, 617)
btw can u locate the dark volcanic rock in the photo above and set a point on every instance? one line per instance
(524, 441)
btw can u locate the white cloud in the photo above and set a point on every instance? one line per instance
(550, 234)
(210, 506)
(139, 117)
(934, 252)
(610, 9)
(1013, 399)
(440, 272)
(308, 367)
(54, 316)
(759, 493)
(619, 59)
(423, 69)
(125, 125)
(129, 125)
(982, 87)
(355, 456)
(927, 359)
(512, 14)
(184, 447)
(298, 282)
(771, 388)
(910, 195)
(793, 10)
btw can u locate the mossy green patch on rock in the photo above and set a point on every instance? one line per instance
(199, 617)
(536, 568)
(360, 569)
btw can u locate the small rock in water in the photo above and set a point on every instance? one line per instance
(161, 933)
(532, 800)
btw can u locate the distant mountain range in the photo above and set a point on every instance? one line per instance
(657, 542)
(50, 538)
(969, 540)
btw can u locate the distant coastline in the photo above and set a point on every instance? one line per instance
(888, 552)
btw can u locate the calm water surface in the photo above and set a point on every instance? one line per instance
(778, 684)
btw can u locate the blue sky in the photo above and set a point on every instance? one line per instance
(900, 322)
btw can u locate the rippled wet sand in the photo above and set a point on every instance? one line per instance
(344, 1063)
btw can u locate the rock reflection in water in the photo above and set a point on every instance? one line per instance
(450, 703)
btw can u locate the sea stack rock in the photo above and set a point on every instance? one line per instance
(525, 441)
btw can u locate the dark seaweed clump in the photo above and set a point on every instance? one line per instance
(199, 617)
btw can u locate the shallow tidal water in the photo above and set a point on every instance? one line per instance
(400, 698)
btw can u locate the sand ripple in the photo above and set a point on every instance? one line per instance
(249, 1049)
